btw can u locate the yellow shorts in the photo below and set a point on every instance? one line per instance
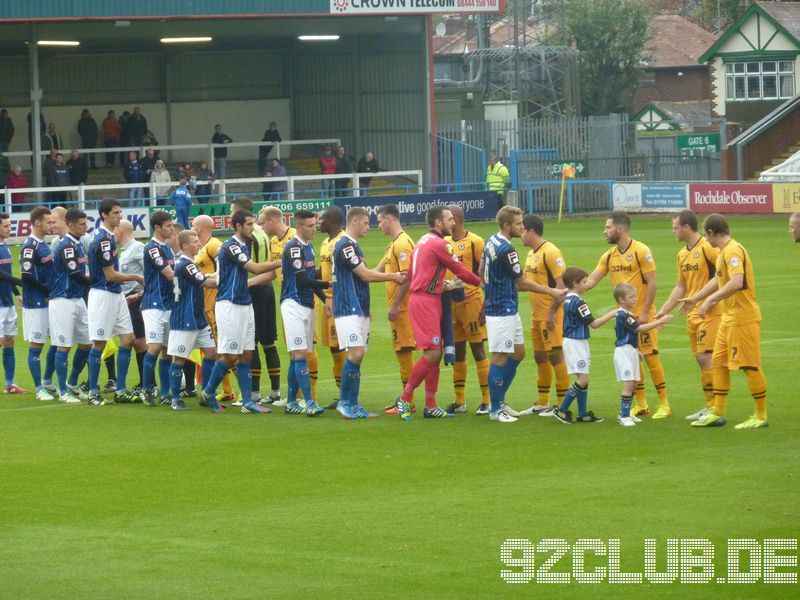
(327, 329)
(402, 333)
(648, 342)
(544, 339)
(467, 321)
(702, 333)
(738, 346)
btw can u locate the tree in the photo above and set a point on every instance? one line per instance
(611, 36)
(709, 10)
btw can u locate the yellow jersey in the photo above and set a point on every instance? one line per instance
(468, 250)
(260, 246)
(696, 267)
(276, 245)
(206, 261)
(630, 266)
(326, 261)
(397, 259)
(739, 308)
(543, 266)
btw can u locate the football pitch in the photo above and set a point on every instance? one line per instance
(127, 501)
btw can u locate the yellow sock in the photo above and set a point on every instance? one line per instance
(339, 357)
(562, 380)
(640, 395)
(659, 379)
(459, 380)
(227, 384)
(707, 379)
(722, 385)
(544, 380)
(483, 379)
(406, 360)
(758, 388)
(313, 371)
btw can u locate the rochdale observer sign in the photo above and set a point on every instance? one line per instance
(401, 7)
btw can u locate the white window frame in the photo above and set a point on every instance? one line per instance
(744, 79)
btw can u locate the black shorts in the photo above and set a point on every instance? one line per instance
(265, 313)
(135, 308)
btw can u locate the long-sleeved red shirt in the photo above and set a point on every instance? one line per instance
(430, 262)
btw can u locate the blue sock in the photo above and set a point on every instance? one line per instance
(346, 390)
(175, 378)
(62, 360)
(509, 372)
(50, 364)
(583, 397)
(164, 376)
(303, 378)
(245, 382)
(205, 369)
(9, 364)
(95, 360)
(123, 362)
(497, 389)
(149, 375)
(217, 373)
(355, 389)
(78, 362)
(571, 394)
(625, 405)
(293, 387)
(35, 366)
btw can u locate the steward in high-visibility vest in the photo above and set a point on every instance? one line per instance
(497, 177)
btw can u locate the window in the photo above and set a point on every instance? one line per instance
(765, 80)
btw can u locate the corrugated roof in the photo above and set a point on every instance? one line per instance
(676, 42)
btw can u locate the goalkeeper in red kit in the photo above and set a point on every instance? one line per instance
(431, 259)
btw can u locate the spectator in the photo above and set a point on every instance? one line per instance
(181, 199)
(187, 172)
(161, 179)
(5, 169)
(111, 135)
(278, 170)
(343, 167)
(16, 181)
(87, 129)
(49, 163)
(42, 128)
(125, 135)
(58, 177)
(137, 127)
(134, 174)
(149, 139)
(52, 139)
(267, 187)
(327, 166)
(220, 154)
(204, 178)
(270, 135)
(367, 164)
(148, 163)
(6, 130)
(78, 168)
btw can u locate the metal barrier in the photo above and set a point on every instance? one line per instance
(543, 197)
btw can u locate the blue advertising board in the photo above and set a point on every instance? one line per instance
(477, 206)
(667, 195)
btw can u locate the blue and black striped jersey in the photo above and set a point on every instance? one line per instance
(501, 269)
(350, 293)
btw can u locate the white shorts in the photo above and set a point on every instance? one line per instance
(35, 326)
(156, 325)
(577, 356)
(8, 320)
(182, 343)
(626, 363)
(504, 333)
(69, 322)
(298, 326)
(236, 327)
(352, 331)
(108, 315)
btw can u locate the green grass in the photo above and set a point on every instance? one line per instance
(128, 502)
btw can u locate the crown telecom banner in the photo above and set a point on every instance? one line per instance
(400, 7)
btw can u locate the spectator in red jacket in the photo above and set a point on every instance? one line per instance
(17, 180)
(327, 166)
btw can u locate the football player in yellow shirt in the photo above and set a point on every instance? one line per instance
(630, 261)
(738, 344)
(697, 262)
(330, 223)
(275, 225)
(545, 266)
(397, 259)
(469, 322)
(206, 261)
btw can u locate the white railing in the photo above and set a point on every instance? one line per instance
(208, 147)
(221, 185)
